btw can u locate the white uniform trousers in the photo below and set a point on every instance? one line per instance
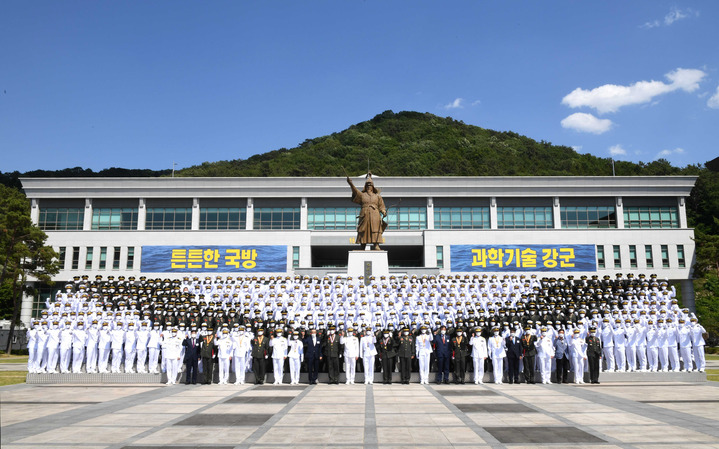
(478, 363)
(620, 357)
(153, 354)
(664, 357)
(41, 359)
(278, 369)
(141, 359)
(116, 360)
(653, 358)
(52, 355)
(545, 368)
(91, 362)
(31, 350)
(423, 368)
(78, 356)
(65, 354)
(578, 362)
(240, 367)
(172, 366)
(498, 369)
(699, 358)
(686, 353)
(130, 361)
(295, 370)
(368, 363)
(642, 357)
(350, 367)
(673, 357)
(224, 365)
(631, 357)
(102, 361)
(608, 352)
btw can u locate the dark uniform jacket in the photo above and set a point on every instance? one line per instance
(332, 347)
(386, 348)
(260, 348)
(406, 346)
(459, 346)
(594, 346)
(207, 346)
(529, 344)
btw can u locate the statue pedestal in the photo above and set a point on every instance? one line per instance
(367, 263)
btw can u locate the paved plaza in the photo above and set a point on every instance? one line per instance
(626, 415)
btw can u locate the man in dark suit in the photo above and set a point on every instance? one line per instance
(442, 348)
(514, 356)
(260, 352)
(460, 352)
(209, 356)
(529, 354)
(313, 355)
(192, 357)
(387, 353)
(331, 350)
(561, 356)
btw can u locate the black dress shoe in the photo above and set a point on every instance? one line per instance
(446, 382)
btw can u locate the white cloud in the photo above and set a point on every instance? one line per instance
(672, 16)
(456, 104)
(586, 123)
(577, 148)
(667, 153)
(713, 101)
(611, 97)
(617, 150)
(476, 102)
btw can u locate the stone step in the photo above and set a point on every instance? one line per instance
(134, 378)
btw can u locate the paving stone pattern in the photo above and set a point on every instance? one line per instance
(637, 415)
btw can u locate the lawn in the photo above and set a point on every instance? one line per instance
(4, 358)
(12, 377)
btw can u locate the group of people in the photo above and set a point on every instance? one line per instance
(512, 326)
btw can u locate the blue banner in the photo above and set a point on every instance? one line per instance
(523, 258)
(219, 259)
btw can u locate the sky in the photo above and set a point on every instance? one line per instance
(145, 84)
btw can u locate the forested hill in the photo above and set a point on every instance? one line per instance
(422, 144)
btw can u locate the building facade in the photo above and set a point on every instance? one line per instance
(172, 227)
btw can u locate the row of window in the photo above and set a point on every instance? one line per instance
(344, 218)
(108, 258)
(616, 261)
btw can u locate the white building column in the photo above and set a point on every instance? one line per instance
(430, 213)
(303, 214)
(619, 210)
(195, 214)
(493, 213)
(556, 215)
(87, 218)
(35, 211)
(141, 214)
(250, 215)
(682, 208)
(26, 309)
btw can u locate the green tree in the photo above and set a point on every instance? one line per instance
(23, 253)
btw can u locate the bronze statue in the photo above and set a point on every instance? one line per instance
(371, 224)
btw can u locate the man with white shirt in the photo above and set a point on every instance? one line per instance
(368, 352)
(351, 354)
(241, 346)
(698, 344)
(278, 343)
(423, 348)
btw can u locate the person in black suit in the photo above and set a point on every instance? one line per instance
(442, 348)
(313, 355)
(529, 354)
(514, 355)
(192, 357)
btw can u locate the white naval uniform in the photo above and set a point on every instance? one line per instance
(684, 335)
(93, 337)
(697, 342)
(104, 348)
(279, 354)
(172, 347)
(368, 351)
(41, 352)
(545, 354)
(65, 349)
(118, 338)
(423, 351)
(296, 356)
(224, 354)
(579, 356)
(481, 349)
(79, 341)
(607, 336)
(32, 338)
(130, 349)
(241, 347)
(143, 337)
(351, 353)
(153, 350)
